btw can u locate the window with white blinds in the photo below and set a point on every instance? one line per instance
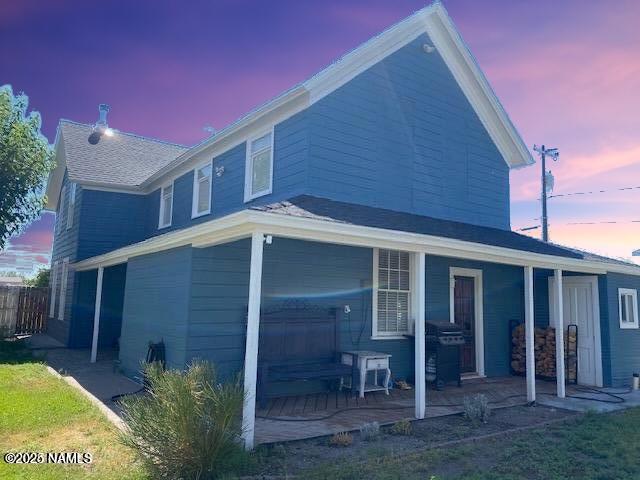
(166, 206)
(259, 167)
(628, 303)
(54, 289)
(392, 292)
(201, 191)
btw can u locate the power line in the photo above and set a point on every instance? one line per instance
(603, 222)
(593, 191)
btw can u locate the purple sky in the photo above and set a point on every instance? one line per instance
(568, 73)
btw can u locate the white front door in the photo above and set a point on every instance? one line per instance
(581, 307)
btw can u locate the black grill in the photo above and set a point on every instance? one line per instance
(443, 353)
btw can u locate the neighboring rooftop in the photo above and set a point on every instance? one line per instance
(124, 159)
(11, 281)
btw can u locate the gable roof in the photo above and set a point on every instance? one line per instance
(432, 20)
(307, 206)
(124, 160)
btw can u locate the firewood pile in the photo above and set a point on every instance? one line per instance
(545, 351)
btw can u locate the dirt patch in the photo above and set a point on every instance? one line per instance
(292, 457)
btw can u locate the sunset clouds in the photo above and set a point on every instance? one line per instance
(568, 74)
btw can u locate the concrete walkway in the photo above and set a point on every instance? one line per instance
(591, 400)
(101, 379)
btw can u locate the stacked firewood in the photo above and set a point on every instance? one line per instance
(545, 351)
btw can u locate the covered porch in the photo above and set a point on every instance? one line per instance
(326, 254)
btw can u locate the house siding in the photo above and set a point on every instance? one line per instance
(65, 245)
(620, 347)
(156, 307)
(403, 136)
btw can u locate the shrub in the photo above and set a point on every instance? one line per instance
(370, 431)
(476, 408)
(402, 427)
(342, 439)
(187, 426)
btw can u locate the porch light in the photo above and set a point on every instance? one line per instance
(101, 128)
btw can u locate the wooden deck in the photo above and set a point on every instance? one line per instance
(314, 415)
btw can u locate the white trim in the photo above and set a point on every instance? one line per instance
(478, 307)
(241, 224)
(71, 204)
(375, 335)
(572, 281)
(529, 321)
(54, 288)
(196, 190)
(161, 209)
(253, 333)
(634, 296)
(248, 166)
(96, 316)
(559, 309)
(419, 278)
(63, 288)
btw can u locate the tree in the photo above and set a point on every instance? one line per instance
(40, 280)
(25, 161)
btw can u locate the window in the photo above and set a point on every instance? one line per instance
(201, 191)
(71, 205)
(259, 168)
(628, 302)
(54, 287)
(63, 288)
(166, 206)
(392, 293)
(61, 206)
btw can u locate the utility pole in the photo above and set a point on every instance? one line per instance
(554, 154)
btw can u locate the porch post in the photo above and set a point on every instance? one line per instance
(529, 334)
(559, 334)
(419, 298)
(96, 316)
(251, 351)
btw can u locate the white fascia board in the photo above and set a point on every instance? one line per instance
(242, 224)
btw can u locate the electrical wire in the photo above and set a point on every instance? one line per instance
(623, 189)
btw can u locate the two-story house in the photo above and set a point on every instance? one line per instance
(379, 187)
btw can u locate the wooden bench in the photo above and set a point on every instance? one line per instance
(299, 344)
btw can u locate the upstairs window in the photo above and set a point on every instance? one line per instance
(628, 304)
(201, 191)
(259, 167)
(392, 293)
(61, 209)
(71, 205)
(166, 206)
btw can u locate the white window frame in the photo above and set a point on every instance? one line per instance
(71, 205)
(248, 170)
(54, 289)
(161, 209)
(61, 209)
(622, 293)
(375, 334)
(63, 288)
(196, 190)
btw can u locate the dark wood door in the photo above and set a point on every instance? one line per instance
(464, 303)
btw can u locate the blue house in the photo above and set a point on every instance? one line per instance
(377, 190)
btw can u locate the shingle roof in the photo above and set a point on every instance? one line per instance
(123, 160)
(306, 206)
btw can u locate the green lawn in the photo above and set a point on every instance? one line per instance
(40, 412)
(595, 446)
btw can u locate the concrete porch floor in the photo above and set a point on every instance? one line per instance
(308, 416)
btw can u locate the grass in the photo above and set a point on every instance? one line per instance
(593, 446)
(40, 413)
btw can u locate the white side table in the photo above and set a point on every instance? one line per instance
(370, 362)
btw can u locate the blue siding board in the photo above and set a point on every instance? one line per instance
(621, 347)
(156, 307)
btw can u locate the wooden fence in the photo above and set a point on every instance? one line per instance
(23, 310)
